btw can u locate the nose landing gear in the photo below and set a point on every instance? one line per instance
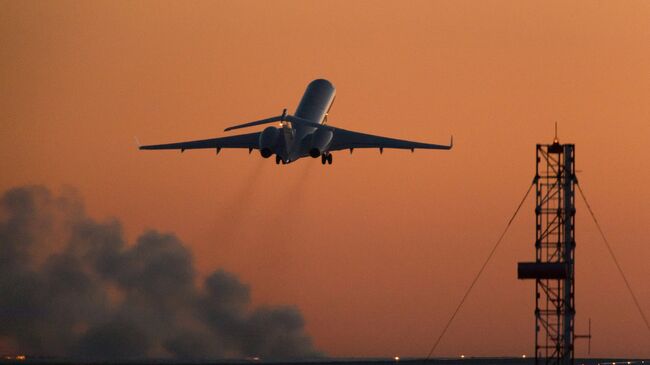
(326, 158)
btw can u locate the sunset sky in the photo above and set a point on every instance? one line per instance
(375, 250)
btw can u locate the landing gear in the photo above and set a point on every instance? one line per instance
(278, 159)
(326, 158)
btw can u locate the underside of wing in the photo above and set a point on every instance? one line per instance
(250, 141)
(344, 139)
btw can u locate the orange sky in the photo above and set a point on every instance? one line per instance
(375, 250)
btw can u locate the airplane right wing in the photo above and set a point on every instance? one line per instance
(344, 139)
(250, 141)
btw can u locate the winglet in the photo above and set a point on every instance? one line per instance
(137, 142)
(451, 143)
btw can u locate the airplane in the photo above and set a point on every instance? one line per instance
(305, 133)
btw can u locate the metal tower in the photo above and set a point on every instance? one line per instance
(553, 269)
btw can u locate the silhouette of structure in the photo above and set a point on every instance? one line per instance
(553, 269)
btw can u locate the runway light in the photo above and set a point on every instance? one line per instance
(20, 357)
(462, 356)
(523, 356)
(396, 358)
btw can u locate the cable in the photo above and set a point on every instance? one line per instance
(611, 253)
(498, 242)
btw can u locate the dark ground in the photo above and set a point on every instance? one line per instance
(455, 361)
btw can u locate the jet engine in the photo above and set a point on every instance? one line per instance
(268, 141)
(320, 141)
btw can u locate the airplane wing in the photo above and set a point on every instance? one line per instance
(250, 141)
(344, 139)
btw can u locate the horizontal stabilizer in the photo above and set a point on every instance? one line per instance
(279, 118)
(296, 120)
(257, 122)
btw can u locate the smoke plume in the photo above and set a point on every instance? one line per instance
(72, 287)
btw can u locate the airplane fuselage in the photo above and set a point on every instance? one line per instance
(296, 141)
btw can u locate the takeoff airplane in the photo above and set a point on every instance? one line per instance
(302, 134)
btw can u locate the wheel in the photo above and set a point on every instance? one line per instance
(277, 159)
(329, 158)
(323, 159)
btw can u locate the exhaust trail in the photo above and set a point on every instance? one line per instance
(232, 212)
(293, 195)
(287, 210)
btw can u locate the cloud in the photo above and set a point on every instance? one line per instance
(72, 287)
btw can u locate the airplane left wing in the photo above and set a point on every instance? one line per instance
(250, 141)
(344, 139)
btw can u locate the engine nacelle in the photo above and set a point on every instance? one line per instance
(268, 141)
(320, 142)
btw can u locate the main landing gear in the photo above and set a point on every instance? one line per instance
(326, 158)
(279, 160)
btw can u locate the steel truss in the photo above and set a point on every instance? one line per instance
(555, 244)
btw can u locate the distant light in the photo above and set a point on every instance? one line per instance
(20, 357)
(396, 358)
(523, 356)
(462, 356)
